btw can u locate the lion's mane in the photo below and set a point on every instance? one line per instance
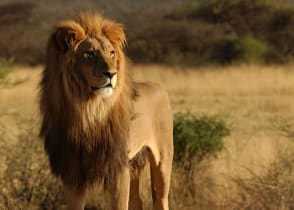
(85, 137)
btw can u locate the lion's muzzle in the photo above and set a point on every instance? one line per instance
(106, 90)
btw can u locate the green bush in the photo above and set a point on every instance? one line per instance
(197, 137)
(280, 36)
(225, 50)
(281, 20)
(240, 49)
(244, 16)
(5, 65)
(251, 49)
(145, 51)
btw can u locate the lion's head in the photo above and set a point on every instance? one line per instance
(85, 68)
(86, 99)
(91, 48)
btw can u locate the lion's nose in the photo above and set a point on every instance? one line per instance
(109, 74)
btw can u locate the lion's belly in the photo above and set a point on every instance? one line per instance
(141, 134)
(143, 126)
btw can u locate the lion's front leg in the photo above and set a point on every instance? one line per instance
(119, 190)
(75, 200)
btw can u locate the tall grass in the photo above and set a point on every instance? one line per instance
(26, 182)
(274, 190)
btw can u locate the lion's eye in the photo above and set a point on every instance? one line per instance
(89, 54)
(112, 53)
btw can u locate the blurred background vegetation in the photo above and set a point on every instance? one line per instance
(190, 32)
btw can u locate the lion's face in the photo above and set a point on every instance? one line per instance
(96, 62)
(92, 50)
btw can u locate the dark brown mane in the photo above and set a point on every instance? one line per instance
(84, 137)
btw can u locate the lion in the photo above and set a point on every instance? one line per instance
(98, 124)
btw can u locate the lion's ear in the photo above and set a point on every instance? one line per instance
(115, 33)
(68, 35)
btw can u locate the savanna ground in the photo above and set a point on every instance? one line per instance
(254, 171)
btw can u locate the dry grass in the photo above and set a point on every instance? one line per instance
(275, 190)
(256, 101)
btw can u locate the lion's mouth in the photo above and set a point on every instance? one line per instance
(107, 89)
(109, 85)
(104, 91)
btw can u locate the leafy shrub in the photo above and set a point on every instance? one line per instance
(280, 36)
(243, 16)
(281, 20)
(250, 49)
(5, 65)
(176, 42)
(197, 137)
(241, 49)
(225, 50)
(145, 51)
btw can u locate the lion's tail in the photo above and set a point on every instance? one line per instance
(139, 161)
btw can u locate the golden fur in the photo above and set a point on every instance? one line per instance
(98, 124)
